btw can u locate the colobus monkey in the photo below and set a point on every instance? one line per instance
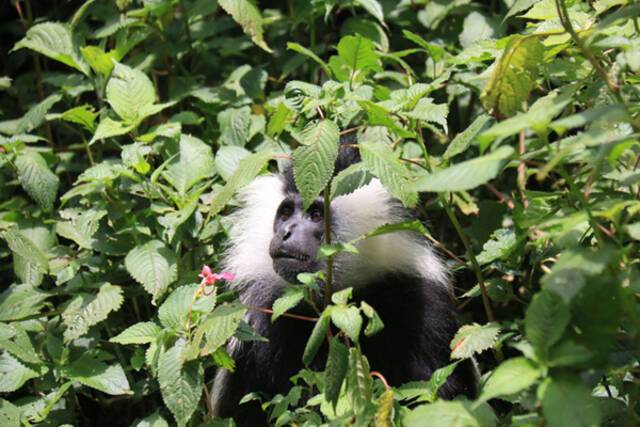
(273, 239)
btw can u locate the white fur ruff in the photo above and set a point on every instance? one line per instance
(362, 211)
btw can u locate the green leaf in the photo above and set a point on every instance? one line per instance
(181, 384)
(289, 299)
(55, 41)
(234, 126)
(510, 377)
(602, 113)
(100, 61)
(174, 310)
(13, 374)
(513, 76)
(545, 321)
(348, 319)
(336, 369)
(220, 326)
(356, 58)
(85, 311)
(314, 161)
(82, 115)
(349, 180)
(474, 338)
(316, 338)
(80, 226)
(93, 373)
(153, 265)
(36, 115)
(426, 111)
(374, 8)
(248, 16)
(129, 91)
(138, 333)
(359, 381)
(374, 325)
(153, 420)
(9, 414)
(465, 175)
(568, 403)
(228, 160)
(499, 246)
(193, 163)
(20, 301)
(16, 341)
(23, 247)
(37, 179)
(441, 414)
(248, 168)
(296, 47)
(108, 128)
(279, 120)
(464, 139)
(381, 161)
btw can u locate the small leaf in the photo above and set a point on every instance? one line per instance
(385, 409)
(139, 333)
(502, 242)
(359, 382)
(465, 175)
(248, 16)
(54, 40)
(153, 265)
(129, 91)
(464, 139)
(314, 162)
(336, 369)
(37, 179)
(426, 111)
(374, 325)
(316, 338)
(349, 180)
(510, 377)
(474, 338)
(348, 319)
(545, 321)
(181, 384)
(108, 128)
(36, 115)
(82, 115)
(291, 297)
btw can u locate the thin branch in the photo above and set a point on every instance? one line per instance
(522, 170)
(503, 198)
(291, 315)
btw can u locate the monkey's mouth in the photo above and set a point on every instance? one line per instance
(293, 256)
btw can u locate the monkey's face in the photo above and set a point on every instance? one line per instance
(297, 237)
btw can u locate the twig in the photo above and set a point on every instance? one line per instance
(503, 198)
(381, 377)
(291, 315)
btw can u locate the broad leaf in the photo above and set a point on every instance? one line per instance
(316, 338)
(129, 92)
(545, 321)
(510, 377)
(85, 311)
(289, 299)
(19, 301)
(138, 333)
(474, 338)
(93, 373)
(193, 163)
(13, 374)
(248, 16)
(336, 369)
(568, 403)
(348, 319)
(153, 265)
(37, 179)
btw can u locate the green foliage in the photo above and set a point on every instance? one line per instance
(127, 129)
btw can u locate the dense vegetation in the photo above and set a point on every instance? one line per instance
(127, 127)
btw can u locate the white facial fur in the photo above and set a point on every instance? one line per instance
(357, 213)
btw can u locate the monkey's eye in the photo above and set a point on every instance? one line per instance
(315, 215)
(285, 214)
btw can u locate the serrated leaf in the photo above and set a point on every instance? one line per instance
(316, 338)
(81, 227)
(234, 126)
(465, 175)
(23, 247)
(356, 58)
(248, 16)
(348, 319)
(84, 312)
(153, 420)
(96, 374)
(289, 299)
(381, 161)
(499, 246)
(545, 320)
(602, 113)
(193, 163)
(54, 40)
(248, 168)
(359, 382)
(19, 301)
(228, 159)
(336, 369)
(129, 91)
(16, 341)
(9, 413)
(139, 333)
(474, 338)
(441, 414)
(82, 115)
(513, 75)
(426, 111)
(349, 180)
(153, 265)
(174, 310)
(314, 161)
(13, 374)
(37, 179)
(510, 377)
(108, 128)
(181, 384)
(36, 115)
(217, 329)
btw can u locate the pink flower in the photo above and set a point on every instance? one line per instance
(210, 278)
